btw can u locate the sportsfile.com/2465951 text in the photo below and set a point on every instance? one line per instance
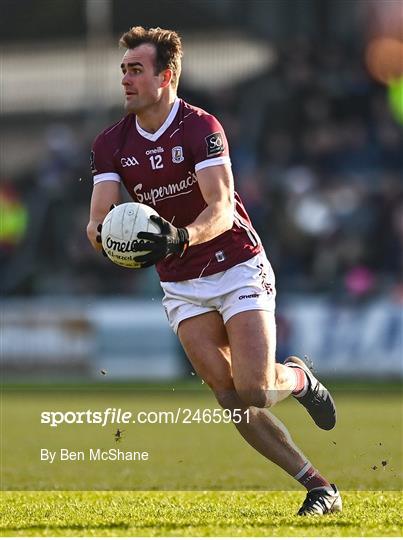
(112, 415)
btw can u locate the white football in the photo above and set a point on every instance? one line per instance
(120, 229)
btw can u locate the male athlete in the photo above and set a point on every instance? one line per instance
(219, 286)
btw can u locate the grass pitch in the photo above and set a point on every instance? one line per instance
(194, 514)
(362, 456)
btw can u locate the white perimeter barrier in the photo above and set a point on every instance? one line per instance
(132, 339)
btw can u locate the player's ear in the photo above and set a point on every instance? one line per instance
(166, 77)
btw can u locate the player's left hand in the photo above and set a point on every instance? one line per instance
(170, 240)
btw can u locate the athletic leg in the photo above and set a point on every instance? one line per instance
(205, 341)
(257, 378)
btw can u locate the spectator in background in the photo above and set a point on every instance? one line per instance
(13, 229)
(14, 220)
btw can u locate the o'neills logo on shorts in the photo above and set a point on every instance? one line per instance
(244, 296)
(124, 247)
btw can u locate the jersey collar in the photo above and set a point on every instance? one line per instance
(165, 125)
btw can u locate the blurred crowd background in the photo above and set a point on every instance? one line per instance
(316, 144)
(310, 93)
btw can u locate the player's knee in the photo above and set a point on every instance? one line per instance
(256, 397)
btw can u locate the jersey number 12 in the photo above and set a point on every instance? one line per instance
(156, 162)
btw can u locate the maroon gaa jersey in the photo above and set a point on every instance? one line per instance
(159, 169)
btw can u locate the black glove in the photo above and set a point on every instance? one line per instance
(99, 229)
(169, 241)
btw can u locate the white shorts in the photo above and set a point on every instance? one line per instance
(247, 286)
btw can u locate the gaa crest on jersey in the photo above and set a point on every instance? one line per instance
(215, 144)
(129, 161)
(177, 154)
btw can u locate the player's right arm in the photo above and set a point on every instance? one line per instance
(106, 191)
(104, 195)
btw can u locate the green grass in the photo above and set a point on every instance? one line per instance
(202, 479)
(195, 456)
(194, 514)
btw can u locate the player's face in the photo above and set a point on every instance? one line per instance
(142, 87)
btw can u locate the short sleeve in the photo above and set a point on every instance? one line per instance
(209, 143)
(102, 164)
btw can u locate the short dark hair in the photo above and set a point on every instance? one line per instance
(167, 44)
